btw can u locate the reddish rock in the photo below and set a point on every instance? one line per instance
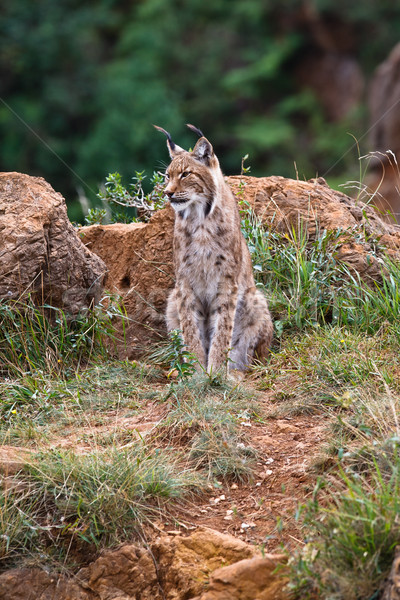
(129, 572)
(139, 263)
(185, 563)
(173, 568)
(260, 578)
(35, 584)
(40, 251)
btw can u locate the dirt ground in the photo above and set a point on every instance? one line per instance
(261, 512)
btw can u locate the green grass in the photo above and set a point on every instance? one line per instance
(44, 339)
(325, 366)
(45, 402)
(353, 528)
(98, 498)
(307, 285)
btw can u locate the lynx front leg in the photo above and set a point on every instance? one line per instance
(185, 311)
(222, 316)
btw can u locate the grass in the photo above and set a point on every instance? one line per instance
(308, 286)
(353, 529)
(44, 339)
(336, 353)
(206, 414)
(98, 498)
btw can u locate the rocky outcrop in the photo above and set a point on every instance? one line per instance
(139, 263)
(40, 251)
(185, 563)
(139, 256)
(312, 206)
(172, 568)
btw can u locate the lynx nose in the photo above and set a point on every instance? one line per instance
(169, 192)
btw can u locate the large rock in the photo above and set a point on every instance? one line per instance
(139, 256)
(312, 206)
(171, 568)
(35, 584)
(249, 579)
(40, 251)
(185, 563)
(139, 262)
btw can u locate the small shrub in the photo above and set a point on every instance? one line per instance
(174, 356)
(132, 203)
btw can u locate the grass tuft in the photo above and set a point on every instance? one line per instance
(97, 498)
(207, 414)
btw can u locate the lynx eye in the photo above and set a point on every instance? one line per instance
(166, 177)
(185, 174)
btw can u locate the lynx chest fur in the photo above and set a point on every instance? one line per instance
(223, 318)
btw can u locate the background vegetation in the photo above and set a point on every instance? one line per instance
(81, 83)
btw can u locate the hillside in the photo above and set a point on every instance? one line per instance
(113, 463)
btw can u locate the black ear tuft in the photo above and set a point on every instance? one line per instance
(168, 135)
(195, 130)
(173, 148)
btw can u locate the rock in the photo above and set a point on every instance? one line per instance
(123, 574)
(172, 568)
(139, 262)
(139, 256)
(35, 584)
(250, 579)
(40, 250)
(185, 563)
(384, 115)
(313, 206)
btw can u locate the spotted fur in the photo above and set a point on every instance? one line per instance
(215, 302)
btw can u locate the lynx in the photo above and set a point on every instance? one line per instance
(222, 316)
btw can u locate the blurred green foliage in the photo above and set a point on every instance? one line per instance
(90, 78)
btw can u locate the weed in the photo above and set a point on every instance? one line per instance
(173, 355)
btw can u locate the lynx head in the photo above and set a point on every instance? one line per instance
(192, 177)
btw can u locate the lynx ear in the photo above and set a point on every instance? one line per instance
(173, 149)
(203, 151)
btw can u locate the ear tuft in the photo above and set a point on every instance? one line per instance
(195, 130)
(172, 147)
